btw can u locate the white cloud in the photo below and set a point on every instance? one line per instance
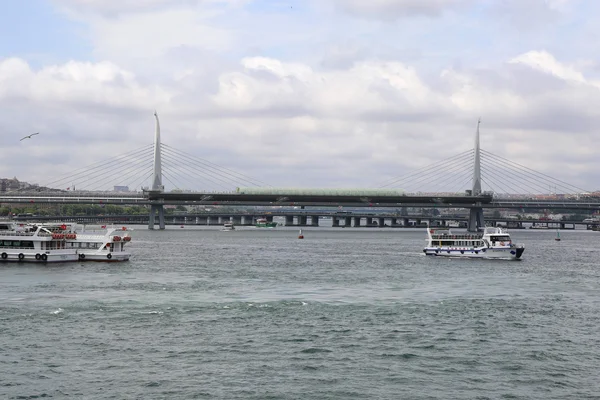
(393, 9)
(259, 98)
(545, 62)
(83, 83)
(269, 118)
(113, 8)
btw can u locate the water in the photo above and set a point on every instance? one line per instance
(342, 314)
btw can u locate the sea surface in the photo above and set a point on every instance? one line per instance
(343, 314)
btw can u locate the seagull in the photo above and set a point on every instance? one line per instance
(29, 136)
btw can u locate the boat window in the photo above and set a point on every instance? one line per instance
(503, 238)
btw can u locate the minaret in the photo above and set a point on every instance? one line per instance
(157, 186)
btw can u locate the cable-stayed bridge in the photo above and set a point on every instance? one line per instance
(142, 173)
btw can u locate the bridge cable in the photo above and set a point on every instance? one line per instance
(83, 172)
(177, 162)
(223, 170)
(106, 175)
(421, 176)
(448, 167)
(516, 182)
(523, 177)
(549, 178)
(186, 167)
(424, 169)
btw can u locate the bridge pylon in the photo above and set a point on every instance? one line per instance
(157, 209)
(476, 221)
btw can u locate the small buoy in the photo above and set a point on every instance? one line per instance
(181, 226)
(300, 235)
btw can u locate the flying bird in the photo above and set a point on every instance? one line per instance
(29, 136)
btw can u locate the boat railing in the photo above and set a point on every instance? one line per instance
(82, 237)
(466, 237)
(15, 233)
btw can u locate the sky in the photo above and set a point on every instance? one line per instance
(303, 94)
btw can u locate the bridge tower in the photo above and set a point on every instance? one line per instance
(476, 213)
(157, 186)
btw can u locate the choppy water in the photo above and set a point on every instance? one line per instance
(342, 314)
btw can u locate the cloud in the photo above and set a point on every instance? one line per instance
(100, 84)
(394, 9)
(545, 62)
(270, 118)
(302, 98)
(123, 7)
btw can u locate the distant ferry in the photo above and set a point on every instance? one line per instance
(228, 226)
(264, 223)
(491, 243)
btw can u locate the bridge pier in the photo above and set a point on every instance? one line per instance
(357, 221)
(381, 222)
(156, 210)
(314, 220)
(335, 222)
(348, 222)
(289, 220)
(475, 219)
(302, 220)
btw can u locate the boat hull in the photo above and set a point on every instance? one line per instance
(104, 257)
(38, 257)
(502, 253)
(267, 225)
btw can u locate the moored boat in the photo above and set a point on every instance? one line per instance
(492, 243)
(106, 244)
(34, 243)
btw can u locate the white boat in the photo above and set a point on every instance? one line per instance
(491, 243)
(88, 244)
(228, 226)
(31, 243)
(105, 244)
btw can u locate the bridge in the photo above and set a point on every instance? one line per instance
(464, 169)
(302, 218)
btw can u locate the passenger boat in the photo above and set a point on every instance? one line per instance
(264, 223)
(493, 242)
(31, 243)
(105, 244)
(228, 226)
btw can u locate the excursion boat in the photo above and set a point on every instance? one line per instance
(264, 223)
(106, 244)
(30, 243)
(492, 243)
(57, 242)
(228, 226)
